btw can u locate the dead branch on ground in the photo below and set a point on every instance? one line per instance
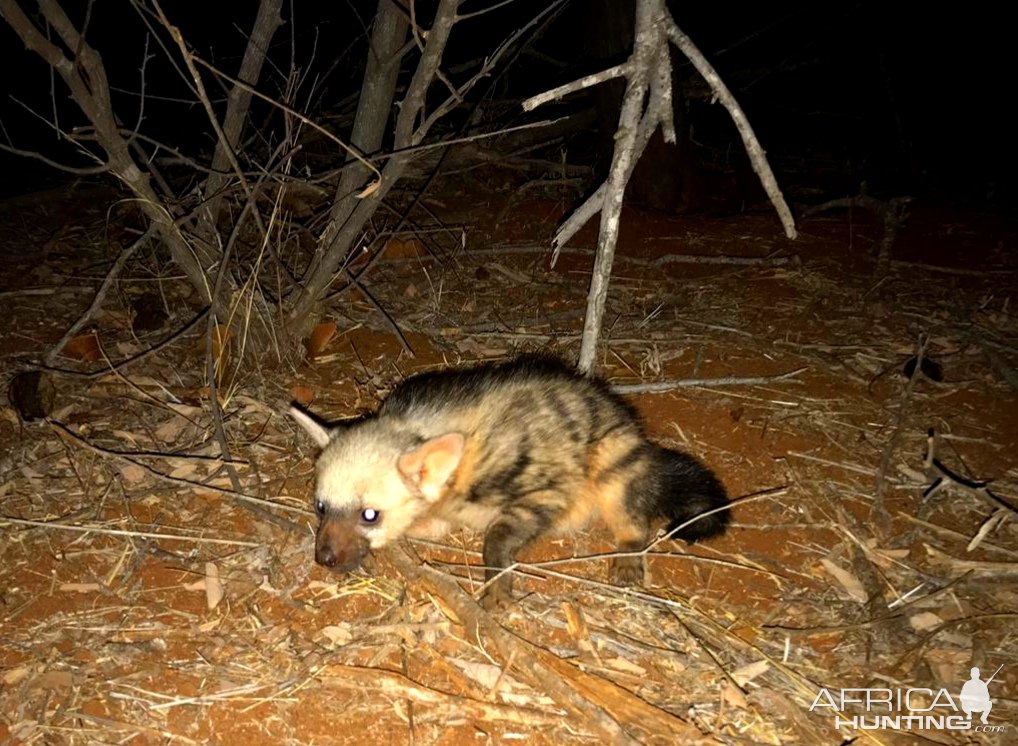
(879, 512)
(941, 476)
(893, 213)
(258, 505)
(658, 387)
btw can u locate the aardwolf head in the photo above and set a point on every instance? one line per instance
(374, 479)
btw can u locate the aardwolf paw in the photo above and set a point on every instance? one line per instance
(626, 571)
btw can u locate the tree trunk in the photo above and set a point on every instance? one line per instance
(378, 92)
(646, 45)
(356, 211)
(238, 102)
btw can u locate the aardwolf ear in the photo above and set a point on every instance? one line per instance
(430, 465)
(319, 433)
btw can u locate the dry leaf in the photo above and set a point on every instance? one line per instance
(13, 676)
(187, 470)
(575, 623)
(214, 590)
(186, 410)
(848, 581)
(946, 664)
(733, 696)
(444, 608)
(403, 248)
(925, 621)
(320, 336)
(369, 189)
(745, 674)
(338, 634)
(56, 680)
(132, 474)
(83, 347)
(124, 435)
(303, 395)
(885, 559)
(170, 430)
(621, 664)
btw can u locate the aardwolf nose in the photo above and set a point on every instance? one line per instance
(326, 557)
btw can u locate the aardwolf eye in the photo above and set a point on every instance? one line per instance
(320, 508)
(370, 515)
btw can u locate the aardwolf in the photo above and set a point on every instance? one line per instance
(513, 449)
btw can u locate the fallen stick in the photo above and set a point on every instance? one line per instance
(398, 685)
(879, 512)
(659, 386)
(742, 261)
(975, 566)
(608, 709)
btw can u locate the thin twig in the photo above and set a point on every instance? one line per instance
(399, 685)
(749, 140)
(879, 511)
(601, 704)
(660, 386)
(255, 502)
(100, 295)
(124, 532)
(114, 367)
(577, 85)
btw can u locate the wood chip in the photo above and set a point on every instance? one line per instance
(849, 582)
(214, 590)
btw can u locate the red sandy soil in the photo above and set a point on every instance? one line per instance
(109, 639)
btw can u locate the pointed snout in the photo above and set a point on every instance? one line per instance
(338, 544)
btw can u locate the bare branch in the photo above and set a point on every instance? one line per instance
(577, 85)
(77, 170)
(592, 205)
(85, 76)
(749, 140)
(489, 64)
(338, 243)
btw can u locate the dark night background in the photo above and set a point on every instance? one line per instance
(911, 100)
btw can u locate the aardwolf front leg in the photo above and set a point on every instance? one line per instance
(506, 536)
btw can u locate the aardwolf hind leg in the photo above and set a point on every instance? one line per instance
(631, 533)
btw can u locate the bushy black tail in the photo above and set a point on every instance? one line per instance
(686, 489)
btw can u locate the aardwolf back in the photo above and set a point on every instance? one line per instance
(514, 450)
